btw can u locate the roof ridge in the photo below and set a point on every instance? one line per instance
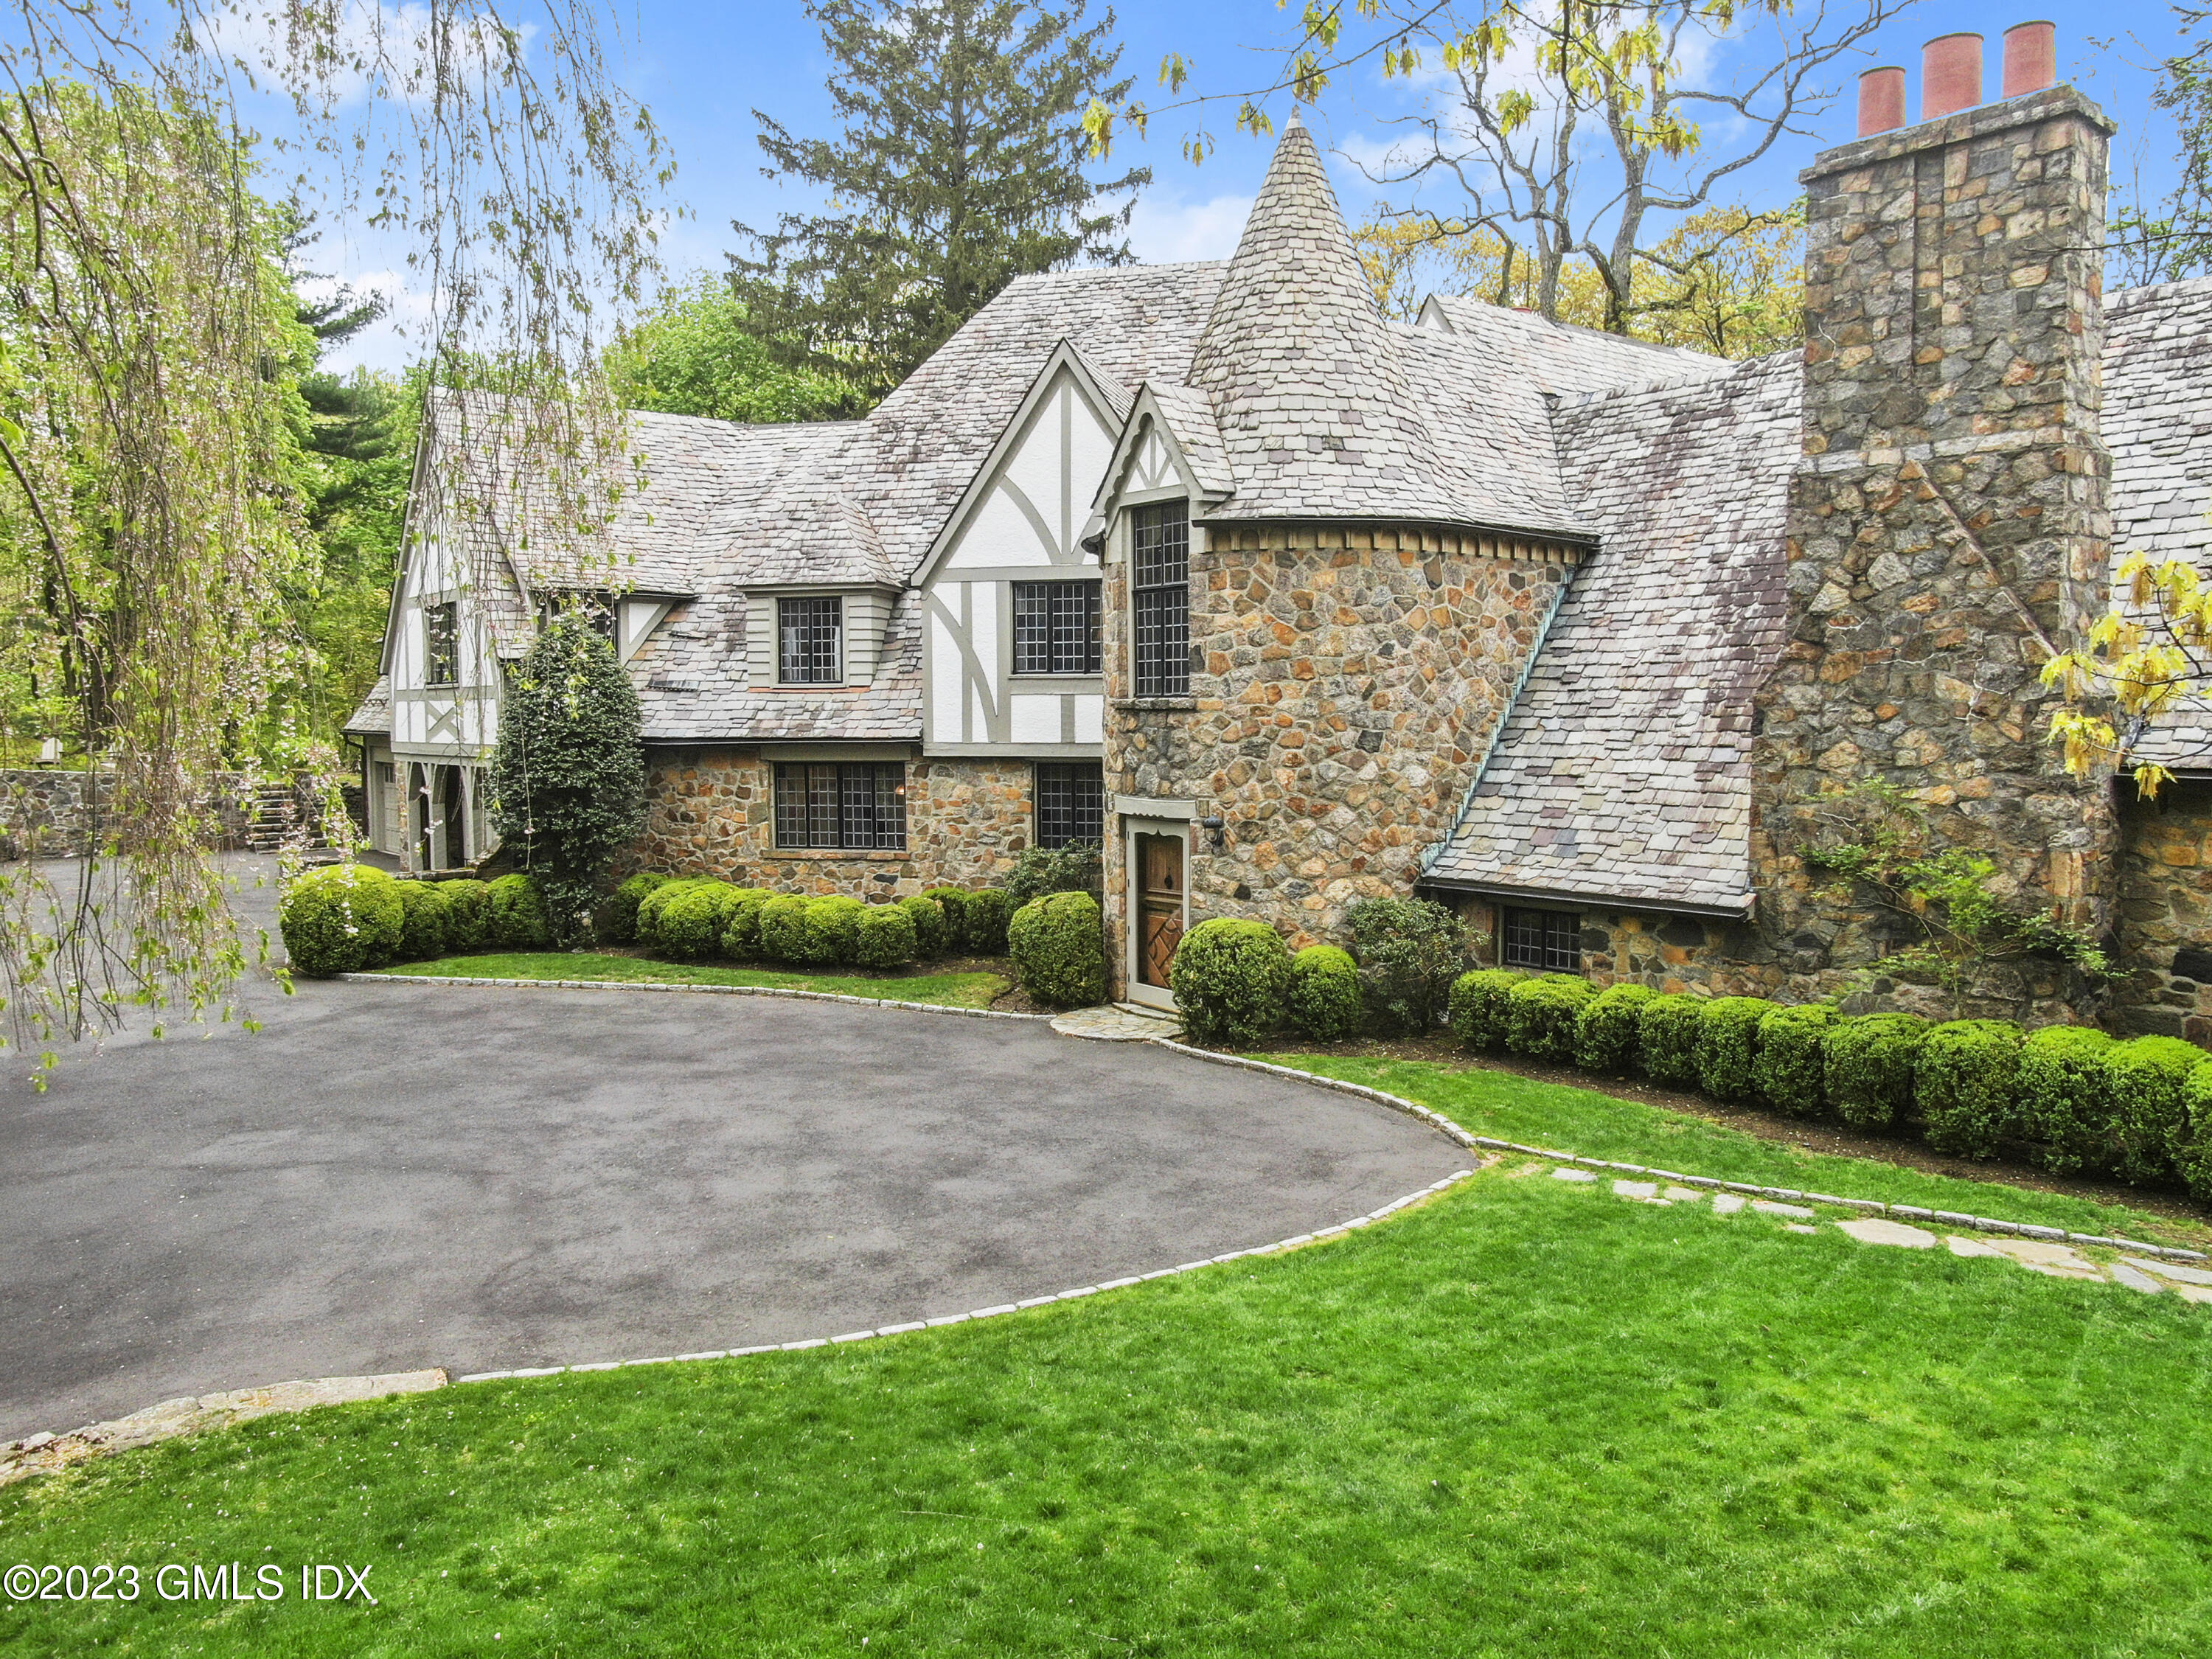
(2132, 299)
(1582, 329)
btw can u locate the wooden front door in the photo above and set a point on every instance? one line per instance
(1159, 905)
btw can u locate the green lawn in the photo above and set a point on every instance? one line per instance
(974, 990)
(1528, 1419)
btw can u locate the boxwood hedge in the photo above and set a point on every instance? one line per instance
(2193, 1148)
(988, 907)
(1230, 979)
(690, 925)
(1963, 1084)
(1058, 944)
(1476, 1007)
(885, 938)
(2148, 1120)
(929, 927)
(1727, 1047)
(1324, 998)
(1667, 1039)
(340, 919)
(2065, 1099)
(834, 922)
(741, 918)
(1869, 1069)
(614, 920)
(1788, 1068)
(468, 915)
(1605, 1031)
(953, 901)
(518, 922)
(422, 909)
(785, 934)
(1540, 1015)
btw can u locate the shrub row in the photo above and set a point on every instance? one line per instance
(343, 918)
(2068, 1097)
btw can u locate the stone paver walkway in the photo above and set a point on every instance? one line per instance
(2037, 1255)
(1110, 1024)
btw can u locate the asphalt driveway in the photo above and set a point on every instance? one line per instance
(394, 1177)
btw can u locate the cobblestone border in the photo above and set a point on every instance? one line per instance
(1785, 1194)
(679, 985)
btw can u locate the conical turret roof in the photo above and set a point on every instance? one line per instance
(1307, 385)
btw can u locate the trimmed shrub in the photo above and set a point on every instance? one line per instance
(741, 917)
(1324, 993)
(1605, 1031)
(988, 911)
(1789, 1066)
(339, 919)
(1727, 1047)
(468, 915)
(1230, 979)
(614, 918)
(518, 922)
(885, 938)
(422, 921)
(1074, 868)
(1963, 1083)
(954, 903)
(1867, 1069)
(1059, 948)
(647, 930)
(785, 933)
(1667, 1039)
(1411, 952)
(2193, 1150)
(929, 917)
(1541, 1015)
(690, 925)
(2062, 1108)
(1477, 1007)
(2148, 1121)
(835, 923)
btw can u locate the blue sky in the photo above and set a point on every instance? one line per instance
(704, 68)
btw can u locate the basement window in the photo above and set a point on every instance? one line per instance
(1549, 941)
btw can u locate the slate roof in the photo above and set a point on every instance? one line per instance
(2158, 426)
(1561, 357)
(1623, 769)
(373, 718)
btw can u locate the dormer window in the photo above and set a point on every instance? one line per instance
(810, 642)
(441, 643)
(1159, 598)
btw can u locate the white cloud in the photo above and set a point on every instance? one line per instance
(1166, 228)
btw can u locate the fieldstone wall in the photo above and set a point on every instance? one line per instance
(711, 812)
(1344, 680)
(2165, 926)
(1948, 526)
(44, 812)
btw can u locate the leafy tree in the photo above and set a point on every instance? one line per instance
(2173, 240)
(569, 776)
(1570, 130)
(960, 167)
(694, 355)
(2148, 661)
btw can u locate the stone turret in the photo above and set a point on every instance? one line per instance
(1948, 526)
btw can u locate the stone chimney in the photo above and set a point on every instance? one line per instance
(1948, 527)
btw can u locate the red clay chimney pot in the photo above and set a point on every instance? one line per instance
(2031, 58)
(1881, 99)
(1950, 75)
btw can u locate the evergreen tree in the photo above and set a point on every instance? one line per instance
(960, 168)
(569, 775)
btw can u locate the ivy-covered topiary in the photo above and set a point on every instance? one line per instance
(785, 934)
(1411, 952)
(2149, 1121)
(929, 917)
(422, 920)
(1727, 1047)
(2062, 1108)
(1476, 1006)
(1605, 1031)
(1964, 1082)
(741, 920)
(1230, 979)
(1059, 949)
(339, 919)
(518, 915)
(887, 936)
(1323, 997)
(1868, 1067)
(988, 907)
(567, 779)
(1541, 1016)
(2192, 1146)
(689, 928)
(647, 931)
(1666, 1032)
(1790, 1065)
(835, 924)
(614, 920)
(468, 916)
(953, 901)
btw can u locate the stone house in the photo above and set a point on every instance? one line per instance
(1287, 605)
